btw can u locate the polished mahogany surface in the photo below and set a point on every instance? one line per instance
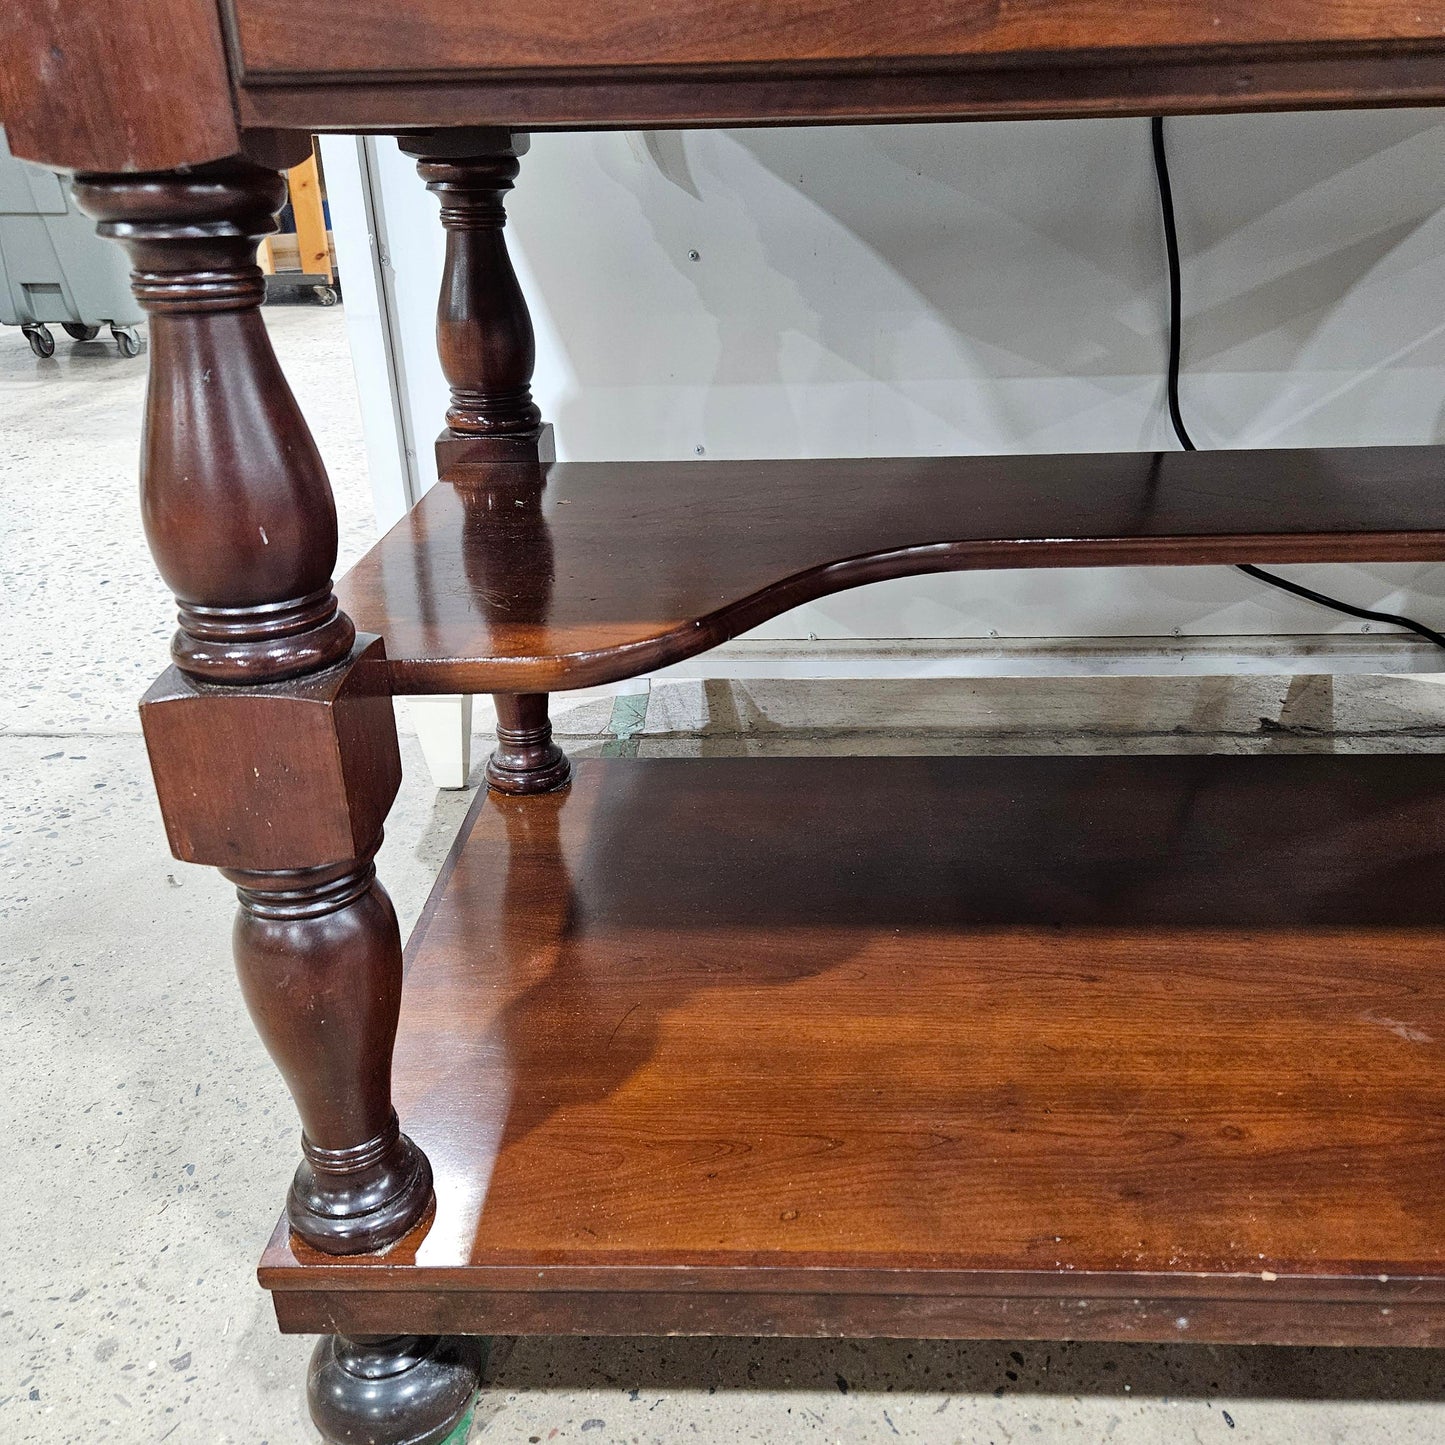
(137, 85)
(370, 36)
(131, 85)
(1052, 1047)
(626, 63)
(524, 580)
(1126, 1047)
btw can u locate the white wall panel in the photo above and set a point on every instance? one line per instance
(986, 288)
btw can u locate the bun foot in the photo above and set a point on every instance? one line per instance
(394, 1389)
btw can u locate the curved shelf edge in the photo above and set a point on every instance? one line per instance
(565, 671)
(571, 575)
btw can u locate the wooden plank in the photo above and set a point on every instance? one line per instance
(1141, 1317)
(304, 184)
(629, 63)
(1140, 1048)
(614, 569)
(130, 85)
(395, 37)
(1026, 88)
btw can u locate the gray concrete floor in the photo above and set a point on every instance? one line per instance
(150, 1141)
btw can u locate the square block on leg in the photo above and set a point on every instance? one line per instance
(289, 775)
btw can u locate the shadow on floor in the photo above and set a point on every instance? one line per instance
(941, 1367)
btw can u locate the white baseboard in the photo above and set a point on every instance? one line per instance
(865, 658)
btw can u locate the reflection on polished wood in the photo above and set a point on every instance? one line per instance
(1067, 1048)
(532, 578)
(1096, 1047)
(389, 36)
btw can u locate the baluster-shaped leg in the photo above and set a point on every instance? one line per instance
(272, 738)
(526, 759)
(487, 350)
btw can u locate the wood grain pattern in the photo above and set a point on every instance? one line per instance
(916, 1046)
(272, 739)
(312, 243)
(233, 765)
(130, 85)
(237, 507)
(632, 63)
(1037, 88)
(391, 36)
(621, 568)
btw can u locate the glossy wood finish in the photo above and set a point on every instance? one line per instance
(488, 352)
(628, 63)
(419, 64)
(1098, 1047)
(484, 332)
(391, 1390)
(369, 37)
(525, 760)
(317, 956)
(613, 569)
(231, 763)
(236, 504)
(1115, 1048)
(130, 85)
(1036, 88)
(272, 739)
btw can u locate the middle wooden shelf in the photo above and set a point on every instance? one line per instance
(536, 578)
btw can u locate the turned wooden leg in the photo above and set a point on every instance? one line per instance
(322, 945)
(494, 431)
(526, 760)
(272, 739)
(485, 340)
(392, 1390)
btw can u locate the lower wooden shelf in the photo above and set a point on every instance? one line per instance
(1122, 1048)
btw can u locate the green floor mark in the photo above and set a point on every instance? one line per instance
(464, 1427)
(629, 713)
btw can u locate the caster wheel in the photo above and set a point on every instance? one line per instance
(126, 339)
(42, 343)
(78, 332)
(326, 295)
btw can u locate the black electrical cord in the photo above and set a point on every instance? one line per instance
(1176, 417)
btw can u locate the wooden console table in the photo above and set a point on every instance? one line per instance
(1125, 1048)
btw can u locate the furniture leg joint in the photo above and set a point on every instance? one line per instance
(276, 777)
(526, 760)
(361, 1198)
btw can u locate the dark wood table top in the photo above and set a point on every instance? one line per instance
(145, 85)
